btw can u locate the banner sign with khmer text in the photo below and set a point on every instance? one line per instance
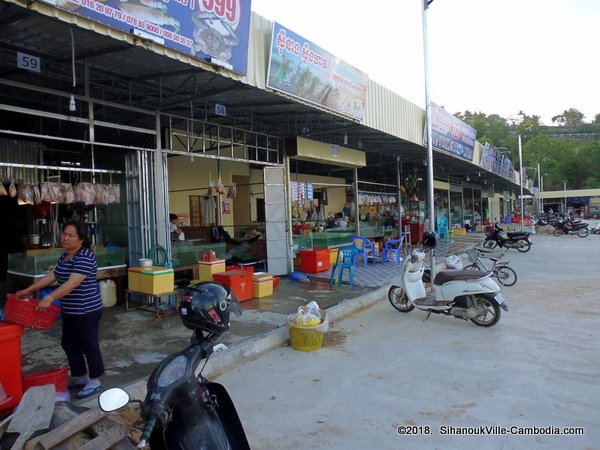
(300, 68)
(212, 30)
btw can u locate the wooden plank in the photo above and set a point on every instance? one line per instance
(33, 413)
(105, 440)
(69, 428)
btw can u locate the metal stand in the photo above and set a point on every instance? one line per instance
(146, 305)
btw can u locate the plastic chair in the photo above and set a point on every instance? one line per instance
(442, 227)
(395, 246)
(346, 258)
(365, 247)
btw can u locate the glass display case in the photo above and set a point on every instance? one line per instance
(335, 238)
(191, 254)
(39, 264)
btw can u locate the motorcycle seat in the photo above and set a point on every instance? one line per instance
(517, 234)
(455, 275)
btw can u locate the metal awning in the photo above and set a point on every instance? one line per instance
(124, 73)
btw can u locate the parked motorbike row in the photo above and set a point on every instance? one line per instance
(564, 224)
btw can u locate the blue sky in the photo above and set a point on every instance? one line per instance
(493, 56)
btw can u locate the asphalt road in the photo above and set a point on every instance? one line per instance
(535, 372)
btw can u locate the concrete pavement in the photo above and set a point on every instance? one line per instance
(382, 369)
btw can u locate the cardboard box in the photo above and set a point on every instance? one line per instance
(262, 285)
(156, 280)
(206, 270)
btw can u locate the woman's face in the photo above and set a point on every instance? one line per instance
(69, 239)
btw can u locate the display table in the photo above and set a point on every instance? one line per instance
(152, 306)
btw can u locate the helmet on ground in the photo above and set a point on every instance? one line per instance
(206, 306)
(430, 239)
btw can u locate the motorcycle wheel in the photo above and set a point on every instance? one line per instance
(506, 276)
(557, 232)
(472, 267)
(490, 312)
(399, 300)
(524, 246)
(583, 233)
(488, 243)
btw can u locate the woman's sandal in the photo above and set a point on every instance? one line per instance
(88, 392)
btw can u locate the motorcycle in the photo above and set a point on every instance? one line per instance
(182, 409)
(500, 238)
(562, 226)
(465, 294)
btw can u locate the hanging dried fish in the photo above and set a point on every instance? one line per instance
(68, 194)
(2, 190)
(12, 190)
(37, 195)
(114, 193)
(25, 194)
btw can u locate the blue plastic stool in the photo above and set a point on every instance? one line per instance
(346, 258)
(442, 227)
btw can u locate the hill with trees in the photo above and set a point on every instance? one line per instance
(568, 151)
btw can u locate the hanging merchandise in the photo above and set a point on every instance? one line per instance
(2, 190)
(12, 190)
(68, 194)
(219, 187)
(25, 194)
(114, 193)
(232, 191)
(84, 193)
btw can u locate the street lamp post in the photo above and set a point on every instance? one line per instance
(539, 203)
(521, 178)
(565, 190)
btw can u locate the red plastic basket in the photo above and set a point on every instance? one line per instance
(58, 377)
(21, 311)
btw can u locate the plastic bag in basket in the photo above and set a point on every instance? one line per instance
(307, 316)
(21, 311)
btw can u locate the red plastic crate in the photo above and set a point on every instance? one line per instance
(21, 311)
(58, 377)
(239, 281)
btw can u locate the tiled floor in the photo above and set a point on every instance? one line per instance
(378, 275)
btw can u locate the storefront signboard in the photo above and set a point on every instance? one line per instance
(302, 69)
(215, 31)
(487, 157)
(451, 134)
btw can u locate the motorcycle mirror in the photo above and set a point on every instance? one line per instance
(113, 399)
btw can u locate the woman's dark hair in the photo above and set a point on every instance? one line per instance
(81, 230)
(172, 217)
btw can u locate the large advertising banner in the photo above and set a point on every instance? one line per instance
(497, 163)
(212, 30)
(451, 134)
(487, 157)
(302, 69)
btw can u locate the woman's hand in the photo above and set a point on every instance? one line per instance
(22, 293)
(44, 304)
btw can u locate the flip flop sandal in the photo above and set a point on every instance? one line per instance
(88, 392)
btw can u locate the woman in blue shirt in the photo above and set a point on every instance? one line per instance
(79, 293)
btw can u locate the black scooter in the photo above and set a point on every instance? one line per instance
(499, 238)
(182, 410)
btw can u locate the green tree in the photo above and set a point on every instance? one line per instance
(570, 118)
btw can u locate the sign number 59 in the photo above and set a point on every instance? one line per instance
(29, 62)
